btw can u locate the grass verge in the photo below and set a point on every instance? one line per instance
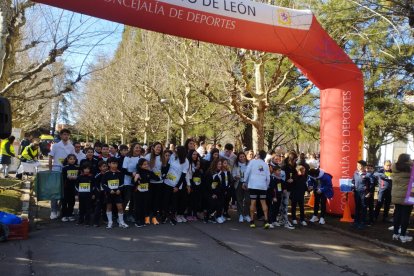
(10, 198)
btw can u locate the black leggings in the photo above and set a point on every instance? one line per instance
(320, 199)
(195, 201)
(156, 197)
(68, 201)
(301, 209)
(402, 215)
(142, 206)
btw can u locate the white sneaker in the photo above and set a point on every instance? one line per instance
(72, 219)
(289, 226)
(395, 237)
(123, 225)
(109, 226)
(276, 224)
(219, 220)
(53, 215)
(303, 223)
(271, 226)
(391, 228)
(247, 219)
(294, 222)
(314, 219)
(178, 219)
(241, 219)
(65, 219)
(322, 221)
(405, 239)
(183, 219)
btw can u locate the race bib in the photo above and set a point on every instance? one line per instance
(279, 187)
(197, 180)
(113, 184)
(61, 160)
(158, 174)
(143, 187)
(214, 185)
(388, 174)
(72, 173)
(84, 187)
(171, 177)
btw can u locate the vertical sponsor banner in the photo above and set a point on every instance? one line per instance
(341, 131)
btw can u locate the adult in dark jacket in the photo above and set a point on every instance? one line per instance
(400, 179)
(322, 189)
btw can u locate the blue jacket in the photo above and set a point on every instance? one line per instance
(384, 179)
(361, 182)
(324, 184)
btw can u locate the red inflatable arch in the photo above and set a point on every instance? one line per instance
(246, 24)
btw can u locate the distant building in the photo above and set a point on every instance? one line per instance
(392, 151)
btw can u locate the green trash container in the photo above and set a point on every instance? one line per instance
(48, 185)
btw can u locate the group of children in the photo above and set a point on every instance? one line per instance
(156, 186)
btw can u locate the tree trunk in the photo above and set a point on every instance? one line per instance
(6, 14)
(373, 154)
(258, 129)
(259, 107)
(247, 136)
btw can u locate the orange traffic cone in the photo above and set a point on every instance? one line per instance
(347, 212)
(311, 201)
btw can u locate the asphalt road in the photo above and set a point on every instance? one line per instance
(196, 249)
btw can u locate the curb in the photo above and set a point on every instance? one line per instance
(373, 241)
(25, 198)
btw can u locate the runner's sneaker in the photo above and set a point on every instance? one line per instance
(53, 215)
(220, 220)
(303, 223)
(322, 221)
(405, 239)
(109, 226)
(173, 221)
(71, 218)
(289, 226)
(139, 224)
(395, 237)
(178, 219)
(241, 219)
(123, 225)
(252, 225)
(183, 219)
(65, 219)
(391, 228)
(275, 224)
(147, 221)
(155, 221)
(271, 226)
(266, 225)
(314, 219)
(294, 222)
(247, 219)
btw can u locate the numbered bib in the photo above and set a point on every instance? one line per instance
(279, 187)
(143, 187)
(72, 173)
(214, 185)
(157, 174)
(197, 180)
(84, 187)
(113, 184)
(61, 160)
(171, 177)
